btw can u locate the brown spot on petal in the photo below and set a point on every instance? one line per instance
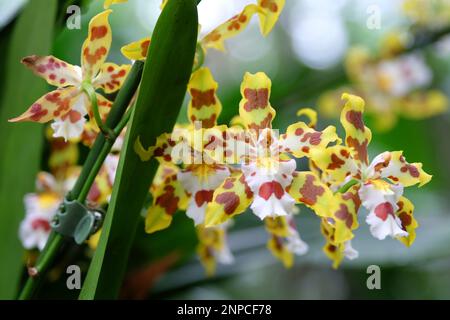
(230, 201)
(310, 192)
(257, 99)
(355, 118)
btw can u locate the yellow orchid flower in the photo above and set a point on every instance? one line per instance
(378, 186)
(268, 12)
(68, 105)
(268, 181)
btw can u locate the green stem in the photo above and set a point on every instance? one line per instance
(94, 170)
(90, 91)
(347, 186)
(93, 163)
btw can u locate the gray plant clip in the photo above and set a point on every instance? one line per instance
(76, 221)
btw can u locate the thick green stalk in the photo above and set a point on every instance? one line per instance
(163, 87)
(95, 159)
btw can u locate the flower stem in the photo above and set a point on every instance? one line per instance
(93, 163)
(90, 92)
(347, 186)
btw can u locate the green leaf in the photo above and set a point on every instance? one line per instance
(163, 87)
(20, 143)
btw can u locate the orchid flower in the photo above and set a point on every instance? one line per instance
(377, 186)
(268, 12)
(268, 181)
(68, 105)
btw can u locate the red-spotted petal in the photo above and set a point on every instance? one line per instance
(111, 77)
(204, 105)
(398, 170)
(136, 50)
(232, 27)
(168, 197)
(300, 139)
(405, 213)
(56, 72)
(52, 105)
(358, 136)
(307, 188)
(96, 46)
(268, 16)
(231, 198)
(254, 108)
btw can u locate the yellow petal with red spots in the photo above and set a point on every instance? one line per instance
(358, 136)
(136, 50)
(168, 197)
(409, 223)
(232, 27)
(336, 161)
(204, 106)
(270, 14)
(254, 108)
(56, 72)
(231, 198)
(334, 253)
(108, 3)
(279, 250)
(277, 226)
(300, 139)
(111, 77)
(54, 104)
(399, 170)
(307, 188)
(96, 46)
(212, 247)
(345, 218)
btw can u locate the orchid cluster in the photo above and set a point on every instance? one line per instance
(225, 170)
(395, 82)
(215, 172)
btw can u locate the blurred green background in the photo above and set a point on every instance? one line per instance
(304, 58)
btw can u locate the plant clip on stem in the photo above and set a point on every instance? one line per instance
(74, 220)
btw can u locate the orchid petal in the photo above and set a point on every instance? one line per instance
(231, 198)
(111, 77)
(204, 105)
(56, 72)
(232, 27)
(96, 46)
(358, 136)
(268, 17)
(136, 50)
(254, 108)
(52, 105)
